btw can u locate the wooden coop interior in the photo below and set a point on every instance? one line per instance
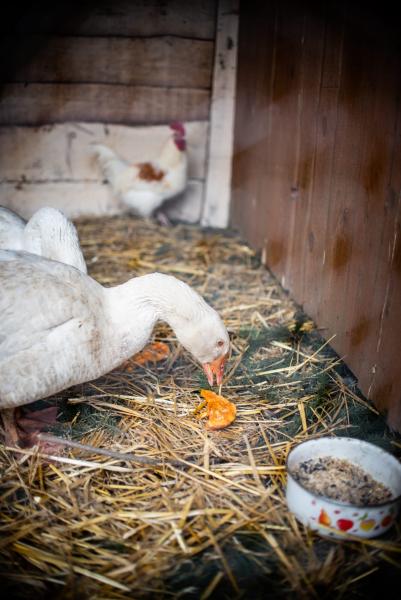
(293, 206)
(292, 112)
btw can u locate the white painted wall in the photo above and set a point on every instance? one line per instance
(53, 166)
(216, 209)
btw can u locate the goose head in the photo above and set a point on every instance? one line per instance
(161, 297)
(206, 338)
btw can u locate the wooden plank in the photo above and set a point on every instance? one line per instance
(317, 230)
(39, 104)
(218, 182)
(283, 141)
(77, 199)
(380, 338)
(335, 148)
(305, 172)
(355, 268)
(161, 61)
(363, 321)
(62, 152)
(257, 39)
(195, 19)
(362, 227)
(385, 383)
(344, 246)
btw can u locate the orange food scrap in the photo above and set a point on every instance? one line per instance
(220, 412)
(154, 352)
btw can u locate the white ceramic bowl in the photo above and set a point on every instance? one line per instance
(332, 518)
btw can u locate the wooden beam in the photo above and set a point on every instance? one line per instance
(195, 19)
(42, 103)
(161, 61)
(218, 182)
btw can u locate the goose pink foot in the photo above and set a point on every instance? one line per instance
(21, 430)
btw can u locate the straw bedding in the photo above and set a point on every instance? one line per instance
(209, 519)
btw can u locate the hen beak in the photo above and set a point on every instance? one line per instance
(215, 368)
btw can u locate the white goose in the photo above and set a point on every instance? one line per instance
(59, 327)
(48, 233)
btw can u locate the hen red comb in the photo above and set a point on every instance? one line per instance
(178, 127)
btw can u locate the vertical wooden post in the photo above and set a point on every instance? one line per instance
(218, 179)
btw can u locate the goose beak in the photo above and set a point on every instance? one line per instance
(215, 368)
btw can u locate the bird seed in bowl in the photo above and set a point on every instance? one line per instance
(340, 480)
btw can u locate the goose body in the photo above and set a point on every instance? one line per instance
(48, 233)
(11, 230)
(59, 327)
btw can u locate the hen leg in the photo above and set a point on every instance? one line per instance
(163, 219)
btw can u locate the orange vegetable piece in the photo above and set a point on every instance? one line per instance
(153, 353)
(220, 412)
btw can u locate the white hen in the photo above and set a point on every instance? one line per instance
(48, 233)
(59, 327)
(144, 186)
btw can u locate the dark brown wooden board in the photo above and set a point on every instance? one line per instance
(317, 172)
(41, 103)
(157, 61)
(195, 19)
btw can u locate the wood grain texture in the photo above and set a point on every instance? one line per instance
(251, 164)
(114, 17)
(41, 103)
(317, 177)
(158, 61)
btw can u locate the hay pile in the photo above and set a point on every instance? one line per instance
(210, 520)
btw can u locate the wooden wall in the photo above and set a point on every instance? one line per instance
(114, 61)
(317, 172)
(72, 73)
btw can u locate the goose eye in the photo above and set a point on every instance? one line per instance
(220, 343)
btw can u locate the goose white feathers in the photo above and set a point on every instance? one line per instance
(48, 233)
(59, 327)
